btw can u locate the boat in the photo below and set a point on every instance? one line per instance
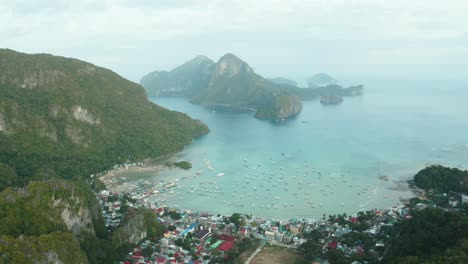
(221, 174)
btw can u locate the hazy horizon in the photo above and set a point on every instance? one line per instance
(351, 40)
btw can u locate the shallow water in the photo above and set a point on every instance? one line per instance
(328, 159)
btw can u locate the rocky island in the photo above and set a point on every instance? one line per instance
(230, 82)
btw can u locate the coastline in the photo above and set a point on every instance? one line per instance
(401, 185)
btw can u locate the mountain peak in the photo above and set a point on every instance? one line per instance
(230, 65)
(200, 58)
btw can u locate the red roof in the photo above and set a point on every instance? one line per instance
(227, 237)
(226, 246)
(161, 260)
(333, 245)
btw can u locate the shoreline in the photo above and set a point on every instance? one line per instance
(402, 203)
(157, 166)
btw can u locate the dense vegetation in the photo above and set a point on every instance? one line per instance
(62, 120)
(38, 208)
(183, 164)
(63, 117)
(430, 236)
(46, 248)
(442, 179)
(51, 207)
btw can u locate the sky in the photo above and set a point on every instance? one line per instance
(349, 39)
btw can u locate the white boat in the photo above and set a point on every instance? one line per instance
(221, 174)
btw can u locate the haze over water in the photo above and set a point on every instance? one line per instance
(328, 159)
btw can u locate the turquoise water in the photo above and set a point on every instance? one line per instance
(328, 159)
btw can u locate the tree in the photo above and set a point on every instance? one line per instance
(311, 249)
(235, 219)
(335, 256)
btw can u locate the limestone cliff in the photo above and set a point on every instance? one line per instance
(137, 226)
(54, 205)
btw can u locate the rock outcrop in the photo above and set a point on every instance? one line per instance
(54, 205)
(136, 226)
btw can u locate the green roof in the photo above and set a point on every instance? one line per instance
(215, 245)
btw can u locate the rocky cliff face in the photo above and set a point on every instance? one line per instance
(48, 220)
(229, 66)
(289, 106)
(54, 205)
(132, 231)
(183, 80)
(136, 226)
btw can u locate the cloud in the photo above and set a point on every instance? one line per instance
(289, 38)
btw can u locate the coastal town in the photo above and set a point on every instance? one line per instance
(197, 237)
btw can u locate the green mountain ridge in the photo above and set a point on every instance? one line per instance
(62, 117)
(62, 120)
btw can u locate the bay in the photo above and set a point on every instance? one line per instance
(327, 160)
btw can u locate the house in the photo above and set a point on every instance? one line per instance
(287, 238)
(269, 235)
(332, 245)
(226, 246)
(296, 229)
(203, 234)
(226, 237)
(216, 244)
(464, 199)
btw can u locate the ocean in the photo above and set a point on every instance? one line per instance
(327, 160)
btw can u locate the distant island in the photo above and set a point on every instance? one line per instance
(280, 80)
(231, 82)
(331, 99)
(320, 80)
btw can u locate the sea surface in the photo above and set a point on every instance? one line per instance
(327, 160)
